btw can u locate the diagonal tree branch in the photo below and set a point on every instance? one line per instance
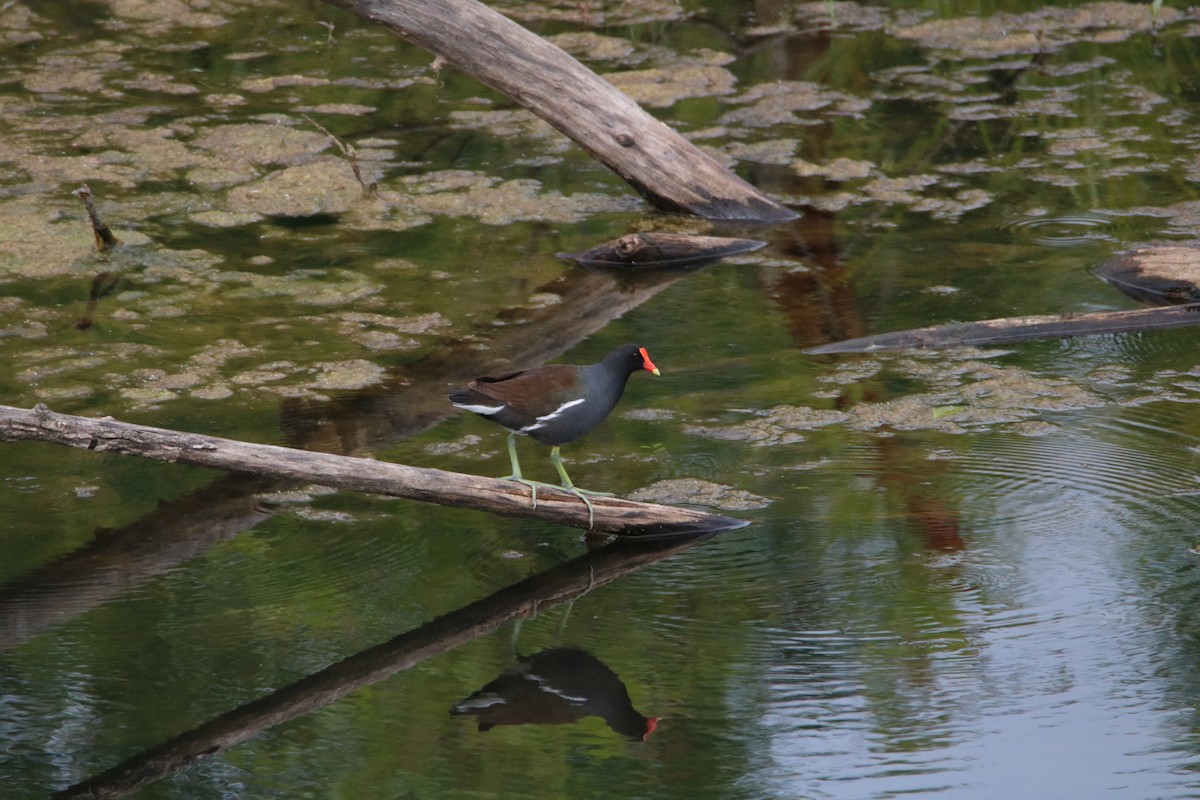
(664, 167)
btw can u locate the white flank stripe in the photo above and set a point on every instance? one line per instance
(487, 411)
(545, 686)
(559, 410)
(483, 701)
(553, 415)
(572, 699)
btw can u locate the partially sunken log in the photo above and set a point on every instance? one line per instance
(664, 167)
(663, 250)
(1162, 274)
(1166, 273)
(612, 515)
(1018, 329)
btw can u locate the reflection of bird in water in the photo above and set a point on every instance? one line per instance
(556, 687)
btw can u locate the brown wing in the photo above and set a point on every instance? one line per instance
(532, 393)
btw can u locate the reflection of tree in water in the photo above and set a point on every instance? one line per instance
(557, 687)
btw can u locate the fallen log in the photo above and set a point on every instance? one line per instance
(497, 496)
(1018, 329)
(665, 168)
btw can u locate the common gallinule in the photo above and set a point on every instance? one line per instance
(554, 405)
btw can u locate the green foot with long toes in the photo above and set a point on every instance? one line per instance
(516, 470)
(566, 485)
(575, 490)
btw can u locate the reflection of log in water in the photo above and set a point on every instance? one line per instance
(102, 285)
(523, 599)
(116, 561)
(557, 687)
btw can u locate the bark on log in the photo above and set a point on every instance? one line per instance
(667, 169)
(612, 515)
(1018, 329)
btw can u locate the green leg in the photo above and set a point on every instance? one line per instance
(562, 623)
(556, 459)
(516, 634)
(512, 458)
(516, 469)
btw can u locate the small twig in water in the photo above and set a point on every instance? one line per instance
(369, 189)
(105, 240)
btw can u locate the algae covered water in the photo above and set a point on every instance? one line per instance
(969, 573)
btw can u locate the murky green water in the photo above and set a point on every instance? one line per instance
(970, 573)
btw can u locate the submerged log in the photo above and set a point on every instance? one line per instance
(1163, 274)
(1018, 329)
(665, 168)
(498, 496)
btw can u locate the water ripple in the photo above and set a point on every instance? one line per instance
(1065, 231)
(1103, 469)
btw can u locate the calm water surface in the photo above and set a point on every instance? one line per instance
(970, 574)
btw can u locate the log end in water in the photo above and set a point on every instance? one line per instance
(1158, 273)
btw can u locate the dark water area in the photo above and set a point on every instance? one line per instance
(969, 573)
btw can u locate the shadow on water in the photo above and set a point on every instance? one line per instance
(559, 584)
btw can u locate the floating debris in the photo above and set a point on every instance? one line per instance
(663, 249)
